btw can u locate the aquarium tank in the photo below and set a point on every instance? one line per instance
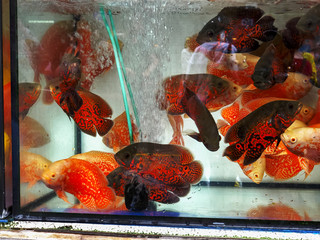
(167, 111)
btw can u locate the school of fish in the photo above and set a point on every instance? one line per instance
(257, 79)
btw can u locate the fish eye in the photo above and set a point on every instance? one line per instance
(306, 111)
(305, 80)
(127, 155)
(290, 106)
(256, 175)
(53, 175)
(309, 24)
(56, 87)
(210, 33)
(293, 139)
(45, 165)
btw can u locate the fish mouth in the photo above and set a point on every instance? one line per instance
(284, 137)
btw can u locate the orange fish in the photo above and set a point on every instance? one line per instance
(46, 56)
(32, 166)
(93, 61)
(28, 95)
(82, 179)
(93, 115)
(118, 136)
(32, 133)
(103, 160)
(276, 211)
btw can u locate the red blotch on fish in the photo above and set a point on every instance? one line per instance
(118, 137)
(82, 179)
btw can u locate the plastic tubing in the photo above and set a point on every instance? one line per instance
(116, 55)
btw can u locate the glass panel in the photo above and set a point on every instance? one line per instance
(6, 181)
(253, 65)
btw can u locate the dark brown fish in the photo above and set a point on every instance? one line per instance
(197, 111)
(273, 65)
(259, 129)
(240, 27)
(310, 22)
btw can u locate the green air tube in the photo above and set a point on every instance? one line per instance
(116, 51)
(124, 70)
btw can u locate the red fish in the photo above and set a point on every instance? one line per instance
(28, 95)
(255, 132)
(162, 168)
(32, 133)
(157, 190)
(103, 160)
(276, 211)
(32, 166)
(93, 61)
(46, 56)
(93, 115)
(118, 137)
(239, 26)
(82, 179)
(142, 156)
